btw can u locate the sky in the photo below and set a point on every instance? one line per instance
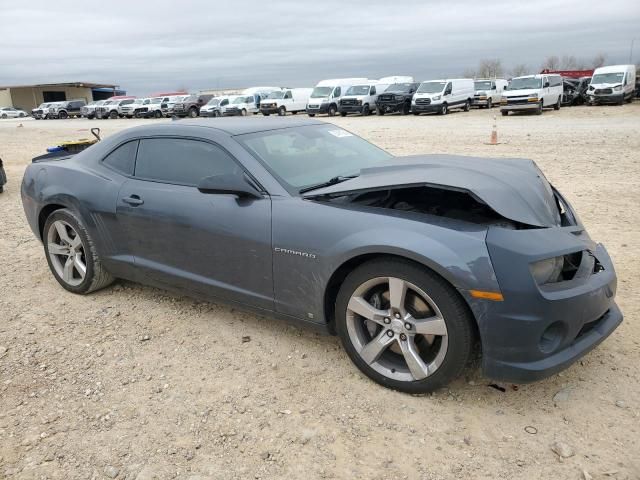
(147, 46)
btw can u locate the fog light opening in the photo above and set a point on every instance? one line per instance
(552, 337)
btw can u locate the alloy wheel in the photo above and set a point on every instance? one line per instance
(67, 253)
(397, 329)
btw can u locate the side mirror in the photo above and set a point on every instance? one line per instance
(494, 88)
(230, 184)
(546, 84)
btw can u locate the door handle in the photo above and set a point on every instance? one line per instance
(133, 200)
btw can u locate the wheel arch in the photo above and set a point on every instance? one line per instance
(339, 275)
(45, 213)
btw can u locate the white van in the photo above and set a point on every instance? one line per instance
(214, 107)
(488, 91)
(327, 93)
(532, 92)
(291, 100)
(612, 84)
(442, 95)
(243, 105)
(361, 98)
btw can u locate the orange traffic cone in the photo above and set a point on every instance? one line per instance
(494, 133)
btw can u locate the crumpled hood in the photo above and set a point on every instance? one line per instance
(605, 85)
(514, 188)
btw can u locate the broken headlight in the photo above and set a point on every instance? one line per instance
(548, 270)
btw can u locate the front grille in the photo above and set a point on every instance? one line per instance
(604, 91)
(386, 98)
(423, 101)
(313, 106)
(267, 105)
(518, 101)
(38, 112)
(348, 101)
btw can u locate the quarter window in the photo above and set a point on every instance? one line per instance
(122, 158)
(181, 161)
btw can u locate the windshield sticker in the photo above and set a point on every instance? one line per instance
(340, 133)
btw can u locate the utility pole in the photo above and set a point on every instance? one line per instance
(631, 51)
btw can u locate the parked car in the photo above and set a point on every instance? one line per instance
(167, 107)
(532, 93)
(134, 109)
(122, 105)
(291, 100)
(70, 108)
(190, 106)
(326, 95)
(361, 98)
(40, 111)
(110, 108)
(154, 107)
(441, 96)
(10, 112)
(242, 105)
(89, 110)
(488, 92)
(214, 107)
(574, 90)
(3, 177)
(396, 98)
(410, 260)
(612, 84)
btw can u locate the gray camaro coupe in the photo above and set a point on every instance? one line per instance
(412, 261)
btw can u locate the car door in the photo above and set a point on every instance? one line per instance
(545, 91)
(213, 244)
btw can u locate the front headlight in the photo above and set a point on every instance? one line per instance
(548, 270)
(437, 97)
(618, 88)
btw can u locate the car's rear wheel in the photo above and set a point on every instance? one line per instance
(71, 254)
(403, 326)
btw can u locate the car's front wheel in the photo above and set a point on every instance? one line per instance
(71, 254)
(403, 326)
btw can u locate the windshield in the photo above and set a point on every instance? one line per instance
(524, 83)
(108, 102)
(321, 92)
(305, 156)
(139, 101)
(156, 100)
(276, 95)
(358, 90)
(431, 87)
(484, 85)
(213, 101)
(615, 77)
(399, 88)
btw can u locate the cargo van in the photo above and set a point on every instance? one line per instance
(292, 100)
(532, 93)
(612, 84)
(326, 95)
(440, 96)
(488, 91)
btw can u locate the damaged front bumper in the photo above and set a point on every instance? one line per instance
(539, 330)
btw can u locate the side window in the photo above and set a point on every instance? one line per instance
(126, 102)
(181, 161)
(372, 91)
(224, 102)
(337, 92)
(448, 89)
(288, 94)
(122, 158)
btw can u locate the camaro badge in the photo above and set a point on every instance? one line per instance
(295, 252)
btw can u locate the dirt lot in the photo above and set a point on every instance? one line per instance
(132, 382)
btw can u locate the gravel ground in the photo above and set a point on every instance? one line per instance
(135, 383)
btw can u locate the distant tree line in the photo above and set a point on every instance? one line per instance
(492, 67)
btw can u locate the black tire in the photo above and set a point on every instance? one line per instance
(193, 112)
(467, 106)
(216, 113)
(490, 104)
(113, 114)
(157, 114)
(311, 114)
(458, 320)
(4, 115)
(243, 112)
(406, 109)
(504, 113)
(558, 104)
(444, 109)
(343, 114)
(366, 111)
(295, 112)
(266, 114)
(21, 115)
(539, 109)
(379, 112)
(96, 276)
(332, 110)
(282, 111)
(416, 113)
